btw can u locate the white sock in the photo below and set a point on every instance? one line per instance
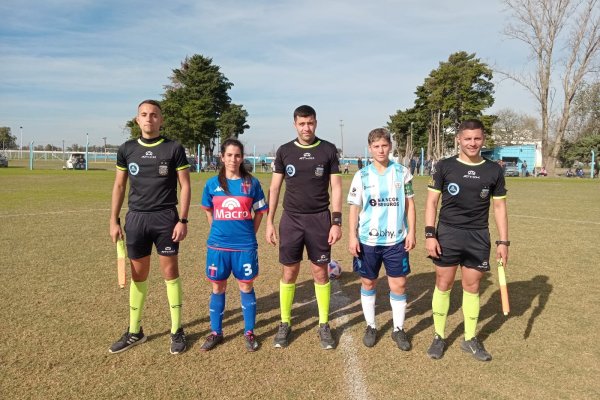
(367, 300)
(398, 303)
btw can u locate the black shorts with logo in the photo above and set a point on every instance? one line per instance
(465, 247)
(142, 229)
(299, 230)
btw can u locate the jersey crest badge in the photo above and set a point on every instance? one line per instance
(453, 189)
(163, 168)
(290, 170)
(134, 168)
(485, 192)
(319, 171)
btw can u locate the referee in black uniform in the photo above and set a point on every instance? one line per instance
(309, 166)
(466, 183)
(154, 165)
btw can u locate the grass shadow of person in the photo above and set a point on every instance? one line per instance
(303, 308)
(523, 296)
(233, 319)
(419, 290)
(421, 286)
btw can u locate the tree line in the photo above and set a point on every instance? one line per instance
(563, 39)
(197, 108)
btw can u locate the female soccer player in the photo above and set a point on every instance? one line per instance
(229, 200)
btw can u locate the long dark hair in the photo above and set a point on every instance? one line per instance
(245, 175)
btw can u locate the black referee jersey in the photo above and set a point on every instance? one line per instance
(152, 167)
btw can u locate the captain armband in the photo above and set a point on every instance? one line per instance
(408, 189)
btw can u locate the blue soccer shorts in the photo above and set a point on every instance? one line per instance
(395, 258)
(220, 263)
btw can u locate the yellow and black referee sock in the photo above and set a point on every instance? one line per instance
(323, 294)
(286, 299)
(137, 297)
(175, 295)
(470, 307)
(440, 304)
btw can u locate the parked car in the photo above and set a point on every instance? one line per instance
(511, 169)
(76, 161)
(3, 161)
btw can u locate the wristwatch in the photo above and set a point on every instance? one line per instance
(183, 220)
(504, 242)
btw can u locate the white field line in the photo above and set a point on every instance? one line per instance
(55, 213)
(553, 219)
(60, 212)
(353, 374)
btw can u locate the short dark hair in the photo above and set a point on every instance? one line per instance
(471, 124)
(379, 133)
(304, 111)
(151, 102)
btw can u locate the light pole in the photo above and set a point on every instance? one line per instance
(104, 138)
(21, 153)
(87, 143)
(342, 136)
(411, 137)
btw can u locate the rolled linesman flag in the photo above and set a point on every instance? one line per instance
(122, 277)
(503, 288)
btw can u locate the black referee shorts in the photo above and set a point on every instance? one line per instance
(142, 229)
(297, 231)
(465, 247)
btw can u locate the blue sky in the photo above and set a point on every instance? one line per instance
(71, 67)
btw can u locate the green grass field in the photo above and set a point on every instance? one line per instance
(62, 308)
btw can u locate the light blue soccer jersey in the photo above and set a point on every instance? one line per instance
(381, 198)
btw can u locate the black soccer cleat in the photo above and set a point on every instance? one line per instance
(251, 342)
(401, 339)
(212, 341)
(475, 347)
(178, 344)
(437, 348)
(326, 337)
(127, 341)
(370, 336)
(282, 336)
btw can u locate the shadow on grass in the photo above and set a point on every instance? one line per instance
(419, 292)
(233, 320)
(522, 295)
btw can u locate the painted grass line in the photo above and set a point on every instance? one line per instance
(53, 213)
(554, 219)
(353, 374)
(67, 212)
